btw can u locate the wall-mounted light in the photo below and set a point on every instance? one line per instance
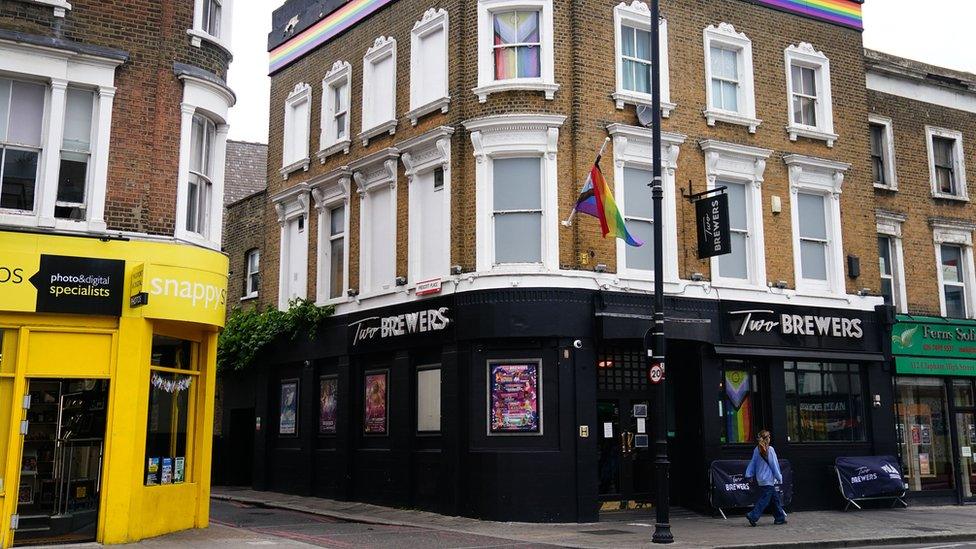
(352, 292)
(456, 270)
(780, 284)
(864, 292)
(697, 277)
(877, 401)
(600, 267)
(401, 281)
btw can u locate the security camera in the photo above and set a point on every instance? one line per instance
(578, 344)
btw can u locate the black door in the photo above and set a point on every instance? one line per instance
(964, 424)
(240, 448)
(625, 462)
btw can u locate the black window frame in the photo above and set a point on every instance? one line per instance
(859, 433)
(758, 393)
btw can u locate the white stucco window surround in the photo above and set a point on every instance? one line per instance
(632, 27)
(61, 7)
(740, 169)
(44, 87)
(330, 193)
(375, 177)
(429, 65)
(729, 82)
(292, 208)
(516, 143)
(818, 245)
(379, 89)
(632, 153)
(499, 66)
(809, 98)
(947, 163)
(949, 234)
(212, 23)
(889, 225)
(427, 164)
(295, 137)
(336, 111)
(205, 97)
(886, 148)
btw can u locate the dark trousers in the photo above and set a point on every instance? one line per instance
(767, 494)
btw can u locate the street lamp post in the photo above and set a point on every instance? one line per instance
(662, 526)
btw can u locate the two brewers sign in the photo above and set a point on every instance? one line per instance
(712, 215)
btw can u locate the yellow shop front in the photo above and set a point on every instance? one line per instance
(107, 368)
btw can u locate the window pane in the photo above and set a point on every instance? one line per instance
(813, 219)
(528, 27)
(192, 199)
(506, 63)
(169, 397)
(516, 184)
(877, 138)
(737, 204)
(19, 179)
(813, 260)
(730, 96)
(336, 259)
(26, 113)
(337, 220)
(4, 107)
(627, 40)
(943, 149)
(923, 432)
(196, 145)
(739, 404)
(735, 265)
(643, 39)
(340, 130)
(642, 77)
(951, 263)
(71, 183)
(955, 300)
(643, 257)
(505, 27)
(808, 84)
(78, 120)
(529, 63)
(945, 180)
(962, 393)
(884, 255)
(169, 352)
(429, 400)
(518, 238)
(637, 195)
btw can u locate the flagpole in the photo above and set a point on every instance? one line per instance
(572, 214)
(662, 526)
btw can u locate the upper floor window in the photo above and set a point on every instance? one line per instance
(953, 281)
(882, 153)
(291, 207)
(809, 93)
(891, 260)
(21, 118)
(211, 22)
(379, 89)
(252, 273)
(947, 166)
(200, 190)
(956, 275)
(298, 111)
(331, 194)
(638, 216)
(816, 184)
(337, 246)
(633, 57)
(427, 163)
(428, 65)
(336, 110)
(76, 146)
(211, 17)
(515, 47)
(729, 77)
(887, 267)
(376, 180)
(517, 210)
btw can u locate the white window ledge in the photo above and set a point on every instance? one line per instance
(881, 187)
(386, 127)
(440, 104)
(334, 301)
(294, 167)
(183, 235)
(714, 115)
(947, 196)
(197, 37)
(550, 88)
(341, 145)
(796, 131)
(60, 6)
(629, 98)
(249, 297)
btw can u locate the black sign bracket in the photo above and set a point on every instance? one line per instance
(693, 197)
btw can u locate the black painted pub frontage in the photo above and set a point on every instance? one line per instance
(531, 404)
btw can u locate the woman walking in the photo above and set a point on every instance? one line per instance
(764, 467)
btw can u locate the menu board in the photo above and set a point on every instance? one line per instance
(514, 395)
(328, 404)
(375, 420)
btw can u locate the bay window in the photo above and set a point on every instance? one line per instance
(212, 23)
(200, 190)
(75, 154)
(21, 118)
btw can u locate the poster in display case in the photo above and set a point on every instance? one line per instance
(288, 418)
(514, 397)
(375, 403)
(328, 404)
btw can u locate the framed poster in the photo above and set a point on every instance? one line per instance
(375, 403)
(515, 397)
(288, 418)
(328, 404)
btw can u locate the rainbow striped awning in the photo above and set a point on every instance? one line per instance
(321, 32)
(841, 12)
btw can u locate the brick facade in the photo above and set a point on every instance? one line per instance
(144, 153)
(245, 224)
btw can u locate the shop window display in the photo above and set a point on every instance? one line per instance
(172, 382)
(740, 403)
(923, 433)
(824, 402)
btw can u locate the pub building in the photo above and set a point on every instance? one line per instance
(935, 412)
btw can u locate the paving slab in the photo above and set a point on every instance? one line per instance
(634, 528)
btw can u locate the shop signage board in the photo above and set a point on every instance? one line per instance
(934, 346)
(712, 215)
(416, 325)
(768, 325)
(46, 283)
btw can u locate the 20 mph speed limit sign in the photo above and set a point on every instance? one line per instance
(656, 374)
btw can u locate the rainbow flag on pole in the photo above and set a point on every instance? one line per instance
(596, 199)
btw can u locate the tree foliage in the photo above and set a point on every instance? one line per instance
(249, 330)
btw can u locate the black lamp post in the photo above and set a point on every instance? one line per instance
(662, 526)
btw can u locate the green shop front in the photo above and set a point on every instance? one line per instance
(935, 409)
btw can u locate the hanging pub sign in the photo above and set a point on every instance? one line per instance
(712, 217)
(770, 325)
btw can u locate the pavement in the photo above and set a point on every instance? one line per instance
(245, 518)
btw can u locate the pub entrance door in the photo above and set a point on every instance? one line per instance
(623, 426)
